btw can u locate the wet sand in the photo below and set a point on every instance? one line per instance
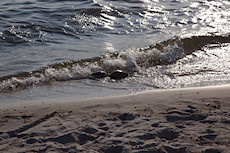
(189, 120)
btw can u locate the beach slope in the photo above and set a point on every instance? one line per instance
(164, 121)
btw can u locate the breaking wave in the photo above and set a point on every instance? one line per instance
(129, 61)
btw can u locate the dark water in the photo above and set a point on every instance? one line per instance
(49, 48)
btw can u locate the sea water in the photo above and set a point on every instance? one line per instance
(50, 48)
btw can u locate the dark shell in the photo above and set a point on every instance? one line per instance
(118, 75)
(98, 75)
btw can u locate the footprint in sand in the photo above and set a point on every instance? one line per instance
(168, 133)
(185, 115)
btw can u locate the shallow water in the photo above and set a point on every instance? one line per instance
(49, 48)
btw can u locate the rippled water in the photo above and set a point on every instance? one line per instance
(49, 48)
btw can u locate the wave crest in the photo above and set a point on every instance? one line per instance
(130, 61)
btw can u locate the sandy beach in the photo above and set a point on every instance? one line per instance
(189, 120)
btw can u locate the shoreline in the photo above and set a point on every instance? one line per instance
(34, 103)
(168, 120)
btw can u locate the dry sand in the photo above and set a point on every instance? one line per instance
(195, 120)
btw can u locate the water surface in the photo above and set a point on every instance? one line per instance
(49, 48)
